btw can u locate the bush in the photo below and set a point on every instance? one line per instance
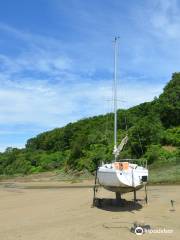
(158, 155)
(171, 137)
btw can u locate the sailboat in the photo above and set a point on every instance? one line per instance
(120, 176)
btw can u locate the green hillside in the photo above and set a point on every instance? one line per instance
(153, 129)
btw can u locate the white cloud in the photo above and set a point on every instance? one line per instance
(36, 60)
(165, 18)
(42, 86)
(42, 103)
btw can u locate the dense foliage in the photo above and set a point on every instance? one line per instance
(153, 129)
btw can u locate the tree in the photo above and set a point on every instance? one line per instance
(146, 131)
(168, 104)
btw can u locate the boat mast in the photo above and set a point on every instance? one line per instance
(115, 96)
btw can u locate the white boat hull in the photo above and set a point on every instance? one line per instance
(121, 180)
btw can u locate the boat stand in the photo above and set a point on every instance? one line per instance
(135, 199)
(95, 190)
(145, 189)
(95, 199)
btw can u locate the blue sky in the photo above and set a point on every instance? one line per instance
(56, 59)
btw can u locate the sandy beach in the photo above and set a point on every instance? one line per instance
(58, 210)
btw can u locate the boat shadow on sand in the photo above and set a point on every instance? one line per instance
(113, 205)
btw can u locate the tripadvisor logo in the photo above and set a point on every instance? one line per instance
(139, 231)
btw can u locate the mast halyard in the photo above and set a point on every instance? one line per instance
(115, 97)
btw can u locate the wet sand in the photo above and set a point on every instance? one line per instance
(59, 210)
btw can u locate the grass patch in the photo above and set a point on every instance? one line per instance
(73, 176)
(167, 174)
